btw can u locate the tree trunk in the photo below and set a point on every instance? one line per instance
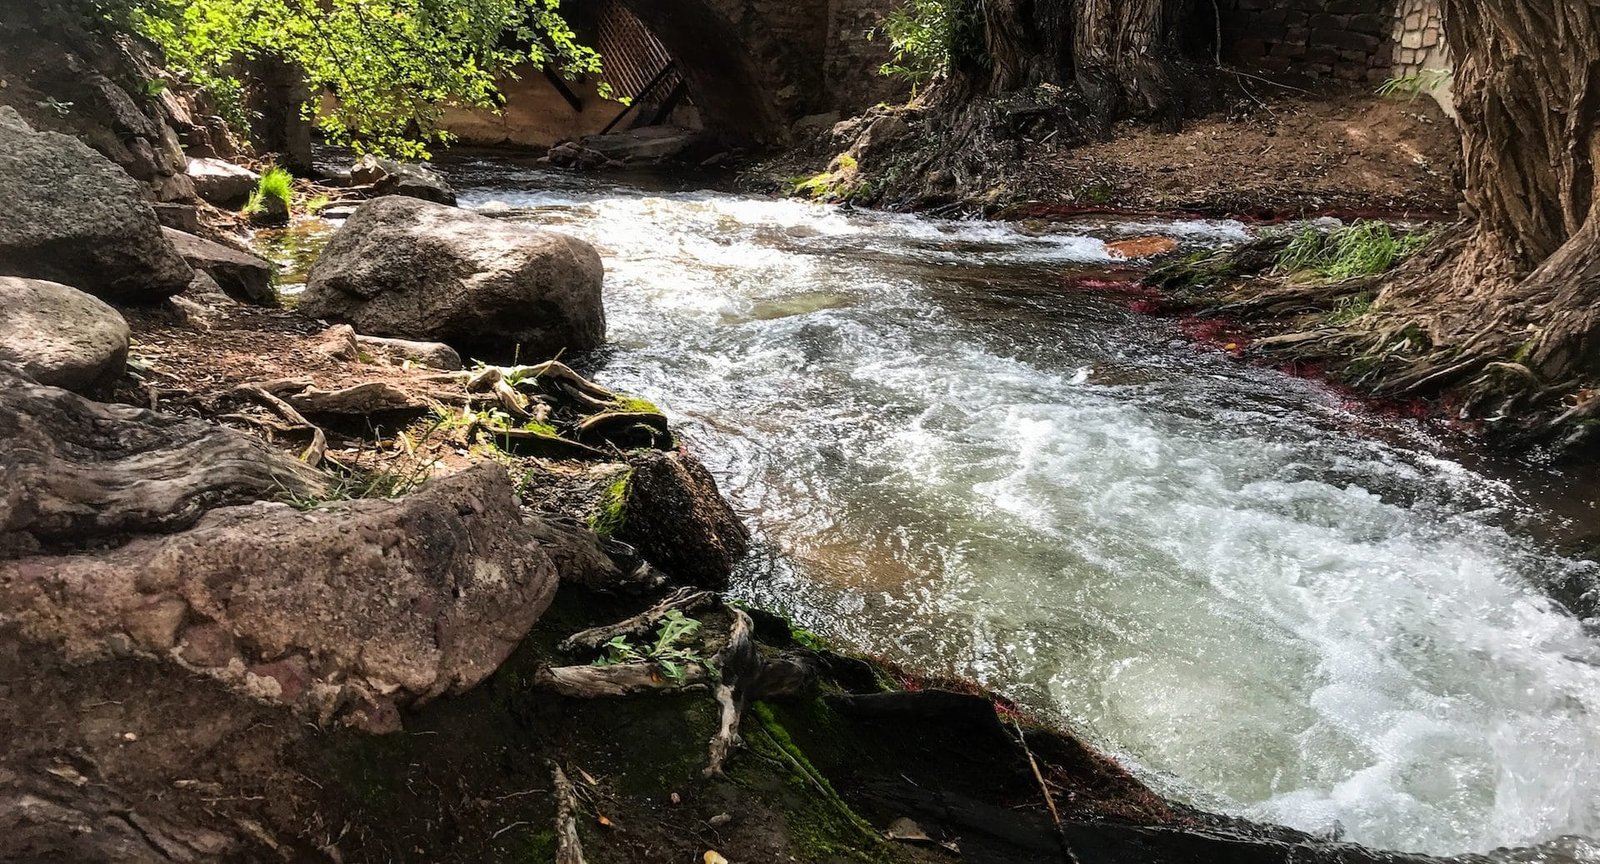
(1123, 55)
(1526, 286)
(1118, 53)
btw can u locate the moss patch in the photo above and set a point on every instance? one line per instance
(611, 512)
(822, 826)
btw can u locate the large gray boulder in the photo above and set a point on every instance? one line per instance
(59, 335)
(239, 274)
(71, 216)
(411, 269)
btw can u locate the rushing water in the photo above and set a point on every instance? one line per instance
(1260, 598)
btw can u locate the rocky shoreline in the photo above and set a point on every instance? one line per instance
(275, 590)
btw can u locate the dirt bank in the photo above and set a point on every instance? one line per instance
(1276, 154)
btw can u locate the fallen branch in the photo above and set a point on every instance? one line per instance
(623, 679)
(685, 600)
(1049, 798)
(569, 848)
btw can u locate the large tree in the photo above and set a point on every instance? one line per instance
(1119, 54)
(1511, 306)
(391, 65)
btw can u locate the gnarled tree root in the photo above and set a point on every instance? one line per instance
(92, 471)
(684, 600)
(738, 675)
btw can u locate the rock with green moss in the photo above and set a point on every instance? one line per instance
(675, 516)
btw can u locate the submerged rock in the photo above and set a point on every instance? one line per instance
(71, 216)
(59, 335)
(411, 269)
(648, 144)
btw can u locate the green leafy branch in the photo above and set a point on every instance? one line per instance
(670, 652)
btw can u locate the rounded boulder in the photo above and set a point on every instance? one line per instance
(410, 269)
(60, 336)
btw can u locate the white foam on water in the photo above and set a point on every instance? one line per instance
(1201, 564)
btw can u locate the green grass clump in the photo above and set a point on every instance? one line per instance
(1364, 248)
(275, 184)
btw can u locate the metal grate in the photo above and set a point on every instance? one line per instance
(631, 56)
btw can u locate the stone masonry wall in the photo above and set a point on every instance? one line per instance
(856, 50)
(1419, 38)
(1420, 49)
(1348, 40)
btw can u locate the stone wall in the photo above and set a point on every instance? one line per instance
(1420, 50)
(1419, 38)
(1331, 39)
(856, 50)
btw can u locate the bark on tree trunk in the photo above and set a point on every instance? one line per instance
(1119, 53)
(1526, 287)
(1123, 52)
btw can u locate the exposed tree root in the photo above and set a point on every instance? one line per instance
(627, 679)
(95, 471)
(319, 440)
(738, 675)
(684, 600)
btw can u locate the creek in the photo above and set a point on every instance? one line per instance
(1261, 597)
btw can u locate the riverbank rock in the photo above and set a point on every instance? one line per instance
(678, 520)
(59, 335)
(648, 145)
(71, 216)
(411, 269)
(239, 274)
(220, 182)
(388, 177)
(78, 472)
(349, 611)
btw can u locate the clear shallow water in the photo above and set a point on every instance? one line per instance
(1262, 601)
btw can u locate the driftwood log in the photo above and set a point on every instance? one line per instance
(74, 471)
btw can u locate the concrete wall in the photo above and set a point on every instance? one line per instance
(535, 115)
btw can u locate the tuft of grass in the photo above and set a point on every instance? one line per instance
(1364, 248)
(275, 184)
(398, 476)
(1352, 307)
(318, 204)
(1426, 81)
